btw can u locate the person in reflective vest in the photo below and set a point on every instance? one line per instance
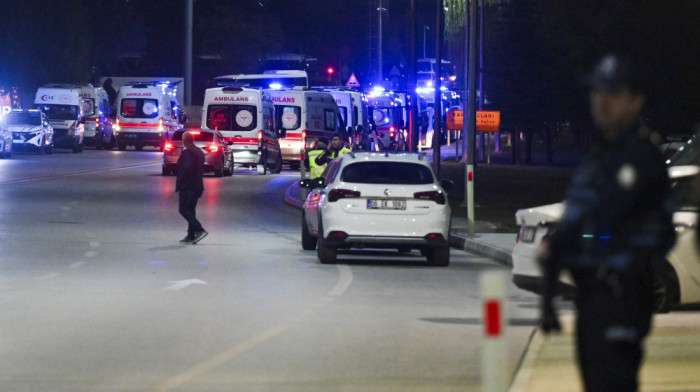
(316, 170)
(335, 149)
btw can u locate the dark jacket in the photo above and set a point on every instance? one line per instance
(190, 170)
(619, 211)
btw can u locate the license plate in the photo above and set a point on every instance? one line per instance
(527, 234)
(384, 204)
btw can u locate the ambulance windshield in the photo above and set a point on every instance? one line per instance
(60, 112)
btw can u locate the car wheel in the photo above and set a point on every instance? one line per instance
(219, 170)
(262, 166)
(439, 257)
(278, 166)
(308, 241)
(228, 168)
(665, 290)
(326, 254)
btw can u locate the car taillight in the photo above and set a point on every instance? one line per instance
(168, 147)
(391, 132)
(436, 196)
(212, 148)
(260, 138)
(339, 193)
(160, 125)
(97, 122)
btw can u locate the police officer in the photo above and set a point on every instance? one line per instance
(335, 149)
(315, 170)
(614, 233)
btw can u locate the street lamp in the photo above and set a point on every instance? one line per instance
(425, 29)
(330, 71)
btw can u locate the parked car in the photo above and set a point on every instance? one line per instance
(5, 140)
(218, 158)
(678, 283)
(377, 200)
(30, 130)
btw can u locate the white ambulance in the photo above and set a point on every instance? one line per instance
(147, 112)
(97, 113)
(305, 116)
(62, 105)
(353, 108)
(245, 117)
(388, 119)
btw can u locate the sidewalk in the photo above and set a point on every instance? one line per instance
(672, 360)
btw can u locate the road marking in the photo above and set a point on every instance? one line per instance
(344, 281)
(91, 253)
(47, 276)
(94, 244)
(80, 173)
(220, 359)
(77, 264)
(181, 284)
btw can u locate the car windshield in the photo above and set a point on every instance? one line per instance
(198, 136)
(23, 118)
(60, 112)
(387, 173)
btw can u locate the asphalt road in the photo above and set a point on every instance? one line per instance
(96, 293)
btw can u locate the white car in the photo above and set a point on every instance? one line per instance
(679, 283)
(373, 200)
(30, 129)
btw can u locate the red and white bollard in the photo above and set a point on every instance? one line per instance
(494, 351)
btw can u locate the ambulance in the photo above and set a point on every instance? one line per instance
(147, 112)
(62, 105)
(353, 108)
(98, 120)
(387, 116)
(245, 117)
(305, 116)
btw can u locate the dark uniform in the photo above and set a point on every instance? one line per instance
(613, 237)
(190, 185)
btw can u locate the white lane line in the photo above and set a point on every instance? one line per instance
(344, 281)
(200, 369)
(81, 173)
(75, 265)
(90, 254)
(94, 244)
(47, 276)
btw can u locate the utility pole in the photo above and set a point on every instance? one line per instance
(380, 77)
(438, 93)
(189, 10)
(413, 96)
(469, 125)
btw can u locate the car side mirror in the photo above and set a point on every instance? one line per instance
(447, 184)
(313, 183)
(281, 133)
(229, 142)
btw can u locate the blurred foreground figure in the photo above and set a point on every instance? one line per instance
(614, 234)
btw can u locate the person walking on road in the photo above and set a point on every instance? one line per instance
(190, 186)
(335, 149)
(614, 234)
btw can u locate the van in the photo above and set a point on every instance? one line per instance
(147, 112)
(353, 109)
(388, 120)
(305, 116)
(98, 117)
(62, 105)
(245, 117)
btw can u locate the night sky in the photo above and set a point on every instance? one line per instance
(535, 50)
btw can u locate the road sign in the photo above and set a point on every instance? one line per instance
(488, 120)
(455, 120)
(352, 82)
